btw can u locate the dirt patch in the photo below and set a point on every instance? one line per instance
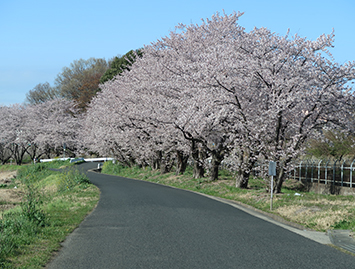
(9, 198)
(7, 177)
(11, 195)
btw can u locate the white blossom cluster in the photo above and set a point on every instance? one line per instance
(38, 130)
(218, 93)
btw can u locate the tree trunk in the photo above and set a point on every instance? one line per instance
(5, 154)
(244, 171)
(166, 164)
(32, 151)
(163, 168)
(281, 174)
(18, 152)
(215, 163)
(199, 171)
(280, 179)
(157, 161)
(214, 170)
(131, 161)
(242, 179)
(181, 162)
(47, 151)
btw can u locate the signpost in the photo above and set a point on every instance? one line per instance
(272, 173)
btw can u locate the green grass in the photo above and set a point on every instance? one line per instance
(8, 167)
(53, 205)
(315, 211)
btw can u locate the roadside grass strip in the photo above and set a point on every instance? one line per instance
(53, 205)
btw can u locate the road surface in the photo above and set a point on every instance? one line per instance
(139, 224)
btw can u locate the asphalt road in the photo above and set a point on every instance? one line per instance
(143, 225)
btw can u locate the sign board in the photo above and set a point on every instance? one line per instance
(272, 168)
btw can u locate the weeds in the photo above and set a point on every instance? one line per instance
(118, 169)
(19, 228)
(15, 231)
(68, 180)
(30, 174)
(8, 167)
(344, 225)
(31, 206)
(111, 168)
(46, 215)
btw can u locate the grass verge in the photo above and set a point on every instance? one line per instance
(315, 211)
(8, 167)
(53, 205)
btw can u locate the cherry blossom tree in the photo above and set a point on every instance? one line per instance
(281, 88)
(288, 90)
(14, 135)
(189, 57)
(132, 133)
(215, 90)
(5, 154)
(54, 123)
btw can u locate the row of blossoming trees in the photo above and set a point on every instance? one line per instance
(214, 93)
(38, 130)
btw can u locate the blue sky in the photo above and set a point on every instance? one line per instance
(39, 38)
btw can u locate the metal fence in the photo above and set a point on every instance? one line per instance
(339, 173)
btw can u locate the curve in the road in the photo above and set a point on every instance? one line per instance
(139, 224)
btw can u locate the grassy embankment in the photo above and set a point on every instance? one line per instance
(316, 211)
(53, 204)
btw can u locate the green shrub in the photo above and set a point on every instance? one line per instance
(31, 206)
(31, 173)
(34, 172)
(58, 163)
(344, 225)
(68, 180)
(111, 168)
